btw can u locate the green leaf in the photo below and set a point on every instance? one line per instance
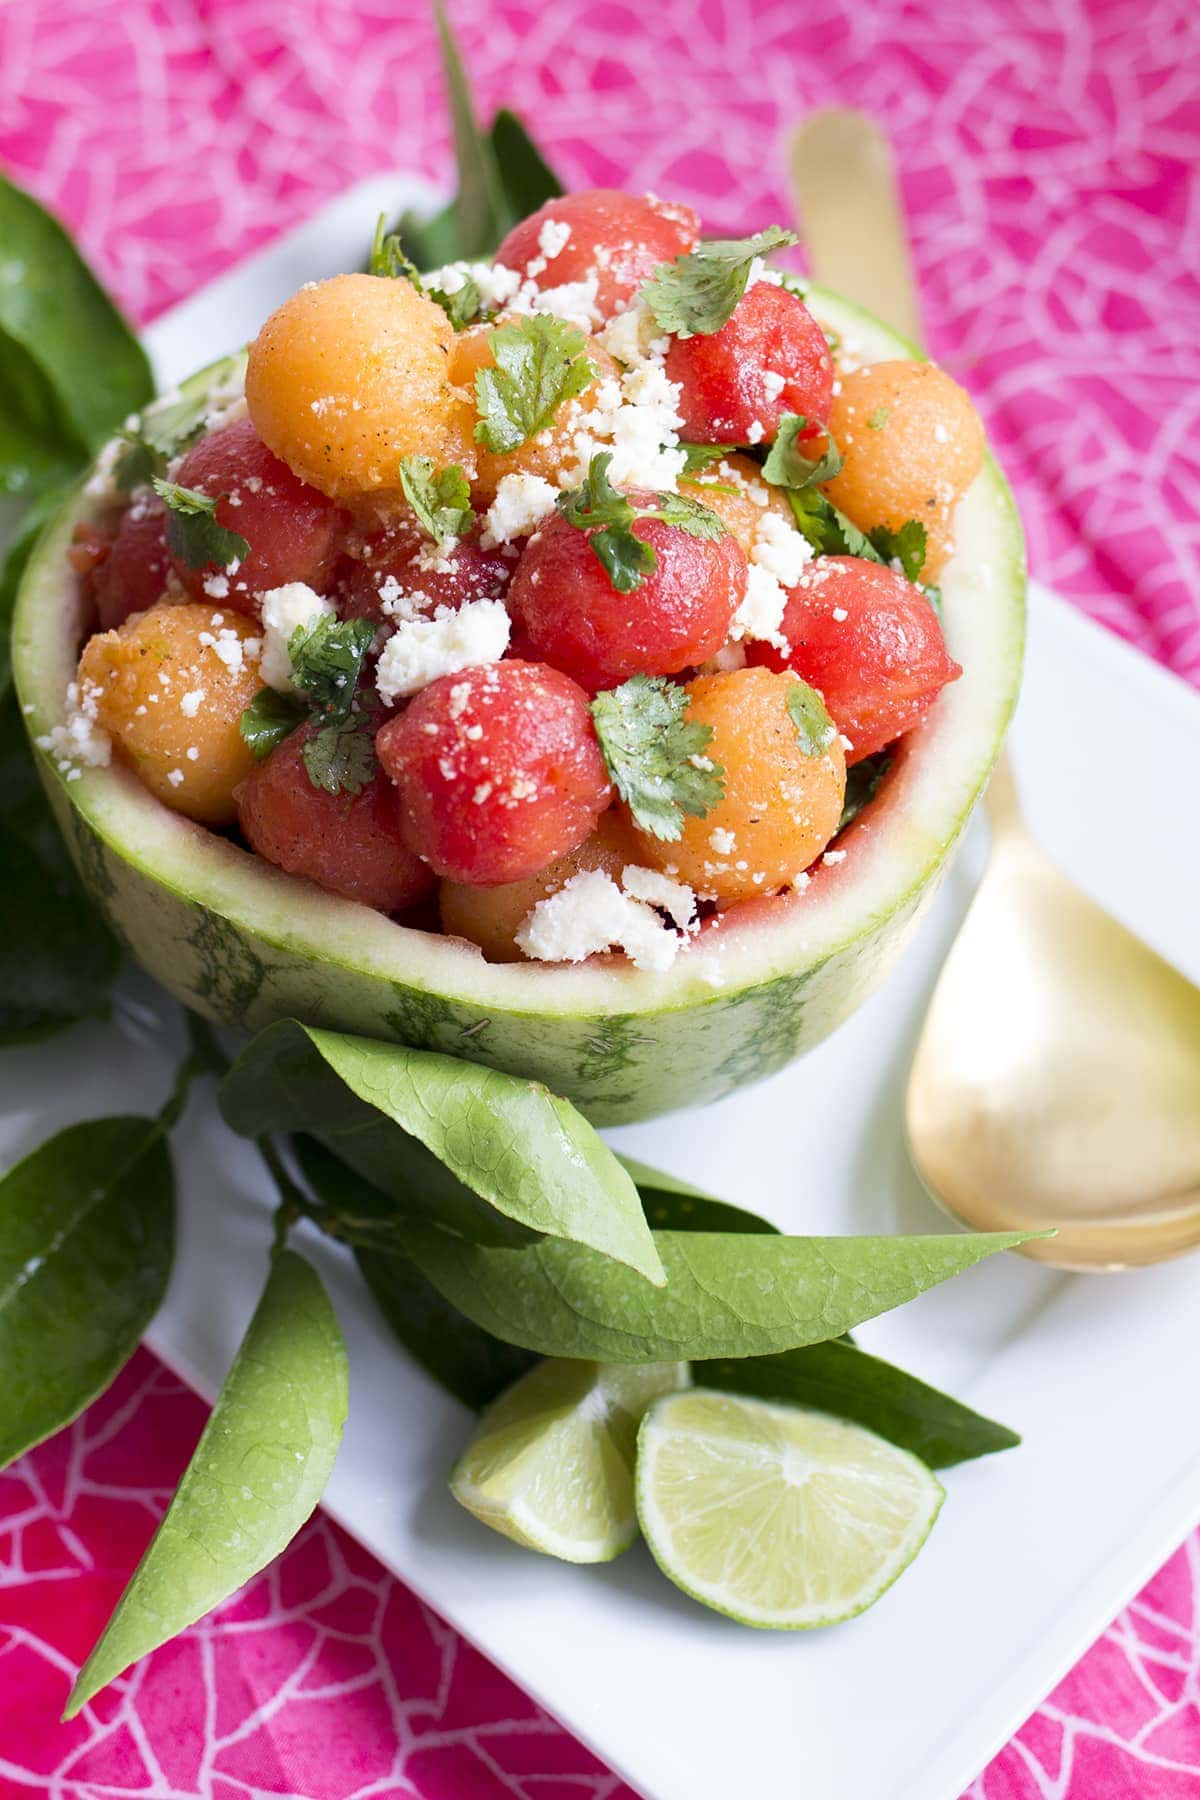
(695, 294)
(192, 530)
(463, 306)
(167, 427)
(259, 1469)
(86, 1239)
(481, 208)
(269, 718)
(481, 1153)
(539, 366)
(700, 457)
(686, 513)
(840, 1379)
(674, 1205)
(597, 506)
(388, 258)
(788, 466)
(340, 758)
(525, 175)
(70, 367)
(471, 1364)
(656, 758)
(441, 499)
(829, 531)
(17, 553)
(815, 730)
(906, 546)
(863, 781)
(57, 958)
(327, 659)
(726, 1294)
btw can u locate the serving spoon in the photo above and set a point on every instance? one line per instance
(1056, 1081)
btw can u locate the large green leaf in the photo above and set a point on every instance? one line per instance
(726, 1295)
(526, 176)
(840, 1379)
(57, 959)
(476, 1152)
(671, 1204)
(469, 1362)
(86, 1239)
(72, 368)
(258, 1471)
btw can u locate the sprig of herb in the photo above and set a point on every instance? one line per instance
(269, 718)
(596, 506)
(327, 659)
(388, 259)
(340, 758)
(815, 730)
(192, 529)
(907, 546)
(539, 365)
(656, 755)
(440, 498)
(695, 295)
(787, 464)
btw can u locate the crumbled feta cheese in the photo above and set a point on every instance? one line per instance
(839, 615)
(573, 301)
(79, 740)
(755, 431)
(102, 482)
(761, 613)
(832, 857)
(780, 549)
(637, 418)
(656, 889)
(723, 842)
(521, 503)
(216, 586)
(553, 238)
(175, 777)
(421, 650)
(189, 706)
(589, 913)
(285, 610)
(773, 383)
(227, 403)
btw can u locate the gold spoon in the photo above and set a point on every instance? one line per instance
(1057, 1078)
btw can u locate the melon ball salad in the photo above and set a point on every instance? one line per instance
(546, 601)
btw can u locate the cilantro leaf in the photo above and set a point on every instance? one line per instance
(906, 546)
(827, 529)
(699, 457)
(192, 530)
(441, 500)
(863, 781)
(327, 658)
(626, 558)
(269, 718)
(539, 365)
(815, 730)
(388, 258)
(340, 758)
(695, 294)
(165, 428)
(463, 306)
(787, 464)
(655, 756)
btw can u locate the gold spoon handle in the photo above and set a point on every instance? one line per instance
(851, 218)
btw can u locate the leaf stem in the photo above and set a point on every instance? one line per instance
(293, 1203)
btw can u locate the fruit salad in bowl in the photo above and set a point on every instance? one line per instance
(581, 661)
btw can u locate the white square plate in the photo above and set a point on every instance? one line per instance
(1035, 1550)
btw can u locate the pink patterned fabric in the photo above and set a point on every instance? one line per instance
(1049, 157)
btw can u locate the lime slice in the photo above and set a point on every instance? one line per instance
(778, 1516)
(551, 1461)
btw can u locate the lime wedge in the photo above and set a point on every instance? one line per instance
(780, 1517)
(551, 1461)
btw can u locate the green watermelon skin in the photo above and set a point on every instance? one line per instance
(244, 944)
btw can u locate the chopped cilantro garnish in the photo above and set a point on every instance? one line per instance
(626, 558)
(441, 499)
(327, 658)
(539, 365)
(788, 466)
(906, 546)
(164, 429)
(340, 758)
(700, 457)
(656, 758)
(269, 718)
(463, 306)
(815, 730)
(388, 258)
(827, 529)
(695, 294)
(879, 418)
(192, 530)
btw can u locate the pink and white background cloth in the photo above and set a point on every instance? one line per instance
(1050, 152)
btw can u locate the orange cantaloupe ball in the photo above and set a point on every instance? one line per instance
(912, 444)
(550, 449)
(490, 916)
(735, 490)
(145, 678)
(349, 376)
(780, 807)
